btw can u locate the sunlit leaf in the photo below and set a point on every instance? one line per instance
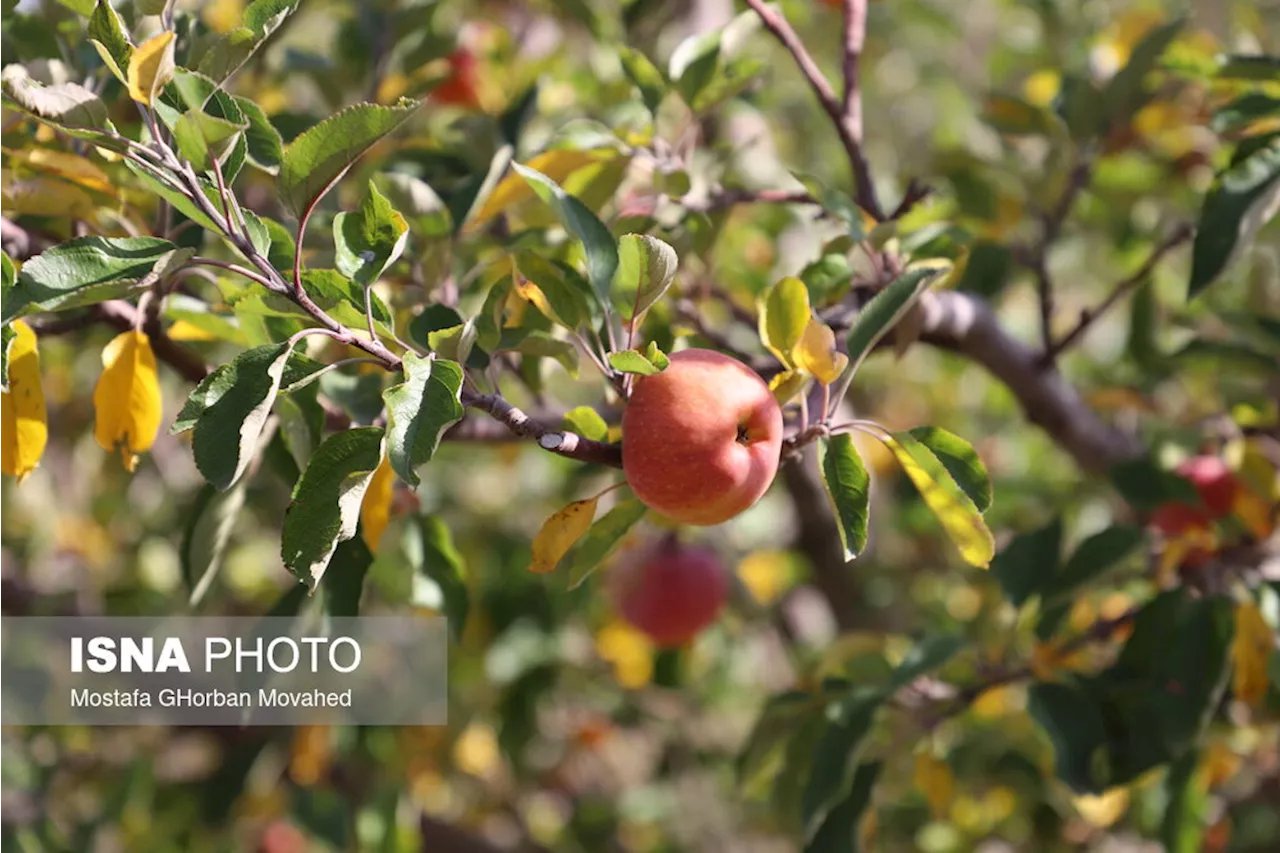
(126, 401)
(210, 525)
(954, 509)
(106, 31)
(375, 510)
(369, 240)
(225, 53)
(419, 410)
(961, 460)
(325, 509)
(784, 316)
(633, 361)
(586, 422)
(151, 67)
(646, 266)
(603, 537)
(24, 418)
(440, 571)
(935, 780)
(64, 104)
(816, 353)
(314, 161)
(786, 385)
(888, 306)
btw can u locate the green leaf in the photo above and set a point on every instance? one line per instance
(693, 64)
(325, 509)
(569, 298)
(419, 410)
(542, 344)
(602, 538)
(848, 488)
(1150, 707)
(439, 580)
(1244, 111)
(64, 104)
(454, 343)
(224, 53)
(646, 267)
(784, 315)
(320, 156)
(953, 508)
(8, 277)
(925, 656)
(1015, 117)
(265, 148)
(1182, 827)
(208, 532)
(1029, 562)
(1093, 557)
(645, 75)
(835, 757)
(419, 202)
(1249, 67)
(229, 409)
(884, 310)
(108, 37)
(88, 270)
(961, 460)
(1126, 92)
(1242, 199)
(340, 296)
(578, 220)
(1145, 485)
(344, 579)
(586, 422)
(839, 830)
(201, 138)
(369, 240)
(633, 361)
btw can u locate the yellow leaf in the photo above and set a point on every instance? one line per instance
(24, 417)
(1102, 810)
(476, 750)
(151, 67)
(1250, 652)
(1257, 514)
(222, 15)
(560, 532)
(311, 754)
(784, 316)
(1042, 87)
(934, 778)
(767, 574)
(66, 165)
(786, 385)
(816, 354)
(953, 509)
(629, 651)
(531, 293)
(185, 330)
(556, 165)
(375, 510)
(126, 400)
(41, 195)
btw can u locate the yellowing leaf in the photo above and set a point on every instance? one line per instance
(311, 754)
(786, 385)
(1042, 87)
(41, 195)
(476, 750)
(533, 294)
(1250, 651)
(1103, 810)
(151, 67)
(185, 330)
(126, 400)
(954, 509)
(816, 354)
(375, 509)
(66, 165)
(784, 316)
(630, 652)
(767, 574)
(24, 418)
(1257, 514)
(513, 189)
(222, 15)
(560, 532)
(934, 778)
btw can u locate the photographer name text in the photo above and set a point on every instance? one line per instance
(171, 697)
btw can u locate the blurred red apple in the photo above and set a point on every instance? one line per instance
(460, 87)
(1213, 480)
(701, 439)
(281, 836)
(670, 592)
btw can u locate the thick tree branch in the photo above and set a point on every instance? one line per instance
(847, 122)
(965, 324)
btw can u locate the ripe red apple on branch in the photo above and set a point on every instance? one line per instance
(701, 440)
(671, 591)
(1217, 487)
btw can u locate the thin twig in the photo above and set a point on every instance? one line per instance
(848, 123)
(1121, 289)
(235, 268)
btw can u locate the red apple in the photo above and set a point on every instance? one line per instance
(701, 439)
(670, 592)
(460, 87)
(1172, 519)
(1213, 480)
